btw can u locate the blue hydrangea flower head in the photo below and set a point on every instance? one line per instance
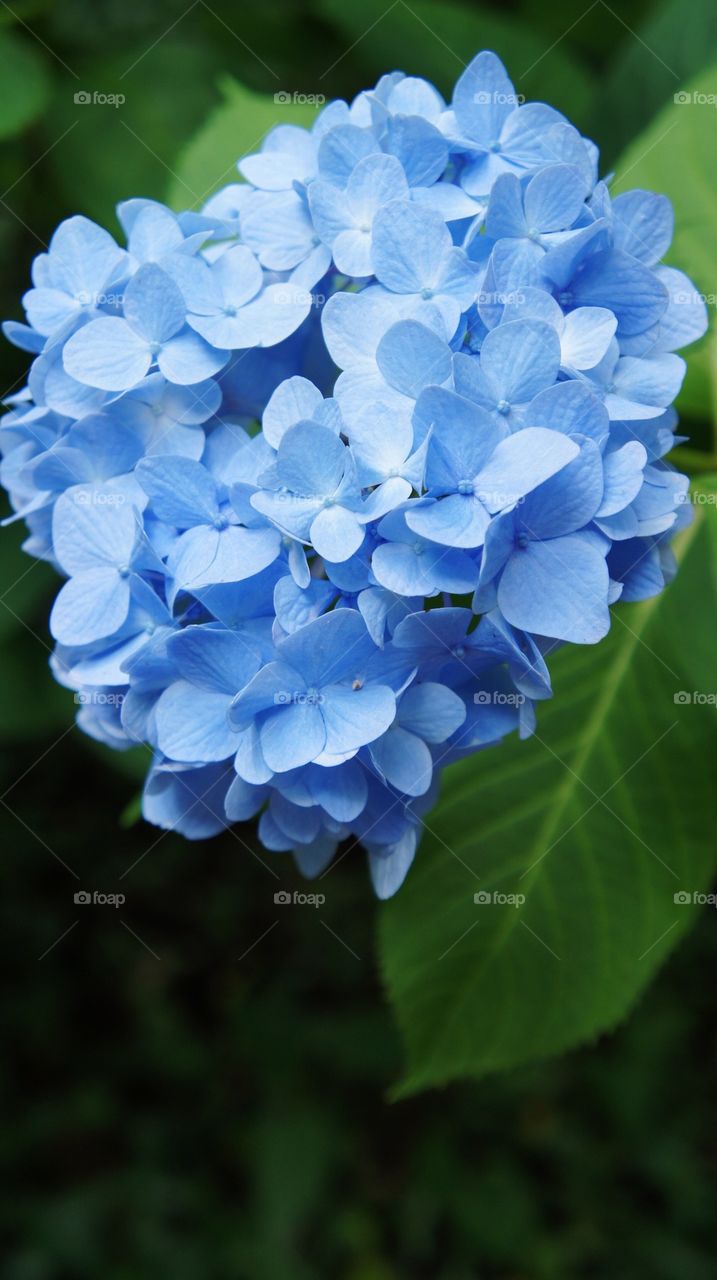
(331, 465)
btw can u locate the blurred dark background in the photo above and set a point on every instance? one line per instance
(195, 1082)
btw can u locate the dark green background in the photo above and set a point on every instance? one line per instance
(173, 1105)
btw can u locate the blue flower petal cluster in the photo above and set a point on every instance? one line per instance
(331, 466)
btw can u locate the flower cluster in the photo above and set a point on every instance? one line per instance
(307, 592)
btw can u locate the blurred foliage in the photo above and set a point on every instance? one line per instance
(203, 1115)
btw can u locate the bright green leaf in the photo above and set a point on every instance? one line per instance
(676, 155)
(598, 821)
(234, 130)
(678, 40)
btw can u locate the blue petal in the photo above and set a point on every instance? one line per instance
(214, 659)
(292, 735)
(412, 357)
(186, 359)
(404, 761)
(484, 98)
(107, 354)
(192, 724)
(153, 305)
(432, 711)
(181, 491)
(294, 399)
(613, 280)
(558, 589)
(89, 607)
(354, 717)
(521, 358)
(311, 460)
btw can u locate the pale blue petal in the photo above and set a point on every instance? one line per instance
(520, 463)
(311, 460)
(554, 198)
(432, 711)
(107, 354)
(483, 99)
(292, 735)
(404, 761)
(643, 225)
(410, 245)
(412, 357)
(192, 724)
(294, 400)
(521, 358)
(182, 492)
(153, 305)
(557, 589)
(586, 336)
(336, 533)
(354, 717)
(89, 607)
(187, 359)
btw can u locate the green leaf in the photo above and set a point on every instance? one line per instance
(676, 155)
(24, 84)
(679, 39)
(598, 821)
(235, 129)
(438, 41)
